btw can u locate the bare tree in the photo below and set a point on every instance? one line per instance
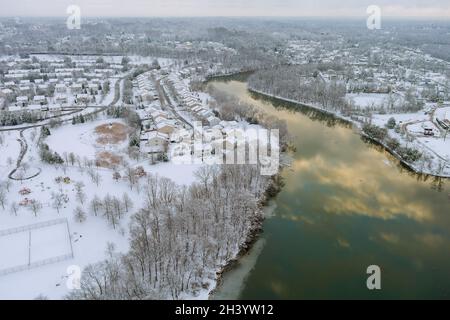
(7, 184)
(95, 205)
(58, 200)
(96, 178)
(79, 214)
(14, 208)
(178, 234)
(35, 206)
(2, 196)
(117, 207)
(71, 158)
(116, 176)
(130, 175)
(79, 189)
(128, 204)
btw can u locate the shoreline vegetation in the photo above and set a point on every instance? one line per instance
(224, 105)
(325, 87)
(354, 123)
(225, 204)
(253, 234)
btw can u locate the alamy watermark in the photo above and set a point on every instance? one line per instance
(374, 20)
(374, 280)
(74, 19)
(233, 146)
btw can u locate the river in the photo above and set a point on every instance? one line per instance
(346, 205)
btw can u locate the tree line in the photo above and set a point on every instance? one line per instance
(181, 236)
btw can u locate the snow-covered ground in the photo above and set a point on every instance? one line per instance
(381, 119)
(90, 238)
(443, 113)
(372, 100)
(415, 124)
(9, 151)
(438, 145)
(35, 245)
(365, 100)
(82, 140)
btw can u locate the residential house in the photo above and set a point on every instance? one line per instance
(165, 127)
(154, 142)
(39, 100)
(60, 88)
(76, 88)
(22, 101)
(61, 99)
(82, 98)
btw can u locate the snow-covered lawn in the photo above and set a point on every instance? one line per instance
(443, 113)
(10, 150)
(381, 119)
(438, 145)
(419, 127)
(89, 239)
(34, 246)
(14, 250)
(82, 139)
(367, 100)
(435, 147)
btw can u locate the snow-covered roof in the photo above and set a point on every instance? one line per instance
(154, 135)
(39, 98)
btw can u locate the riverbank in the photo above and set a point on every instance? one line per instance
(358, 126)
(346, 204)
(233, 267)
(254, 232)
(257, 225)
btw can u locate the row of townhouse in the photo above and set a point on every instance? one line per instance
(192, 102)
(145, 89)
(59, 72)
(158, 129)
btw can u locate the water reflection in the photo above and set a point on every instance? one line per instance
(348, 204)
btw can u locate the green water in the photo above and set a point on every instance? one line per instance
(347, 205)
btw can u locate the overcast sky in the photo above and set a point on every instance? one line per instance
(293, 8)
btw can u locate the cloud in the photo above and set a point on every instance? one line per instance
(433, 8)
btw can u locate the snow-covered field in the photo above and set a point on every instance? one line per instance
(436, 148)
(366, 100)
(443, 113)
(9, 151)
(439, 146)
(381, 119)
(30, 247)
(374, 100)
(90, 238)
(82, 140)
(419, 127)
(14, 249)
